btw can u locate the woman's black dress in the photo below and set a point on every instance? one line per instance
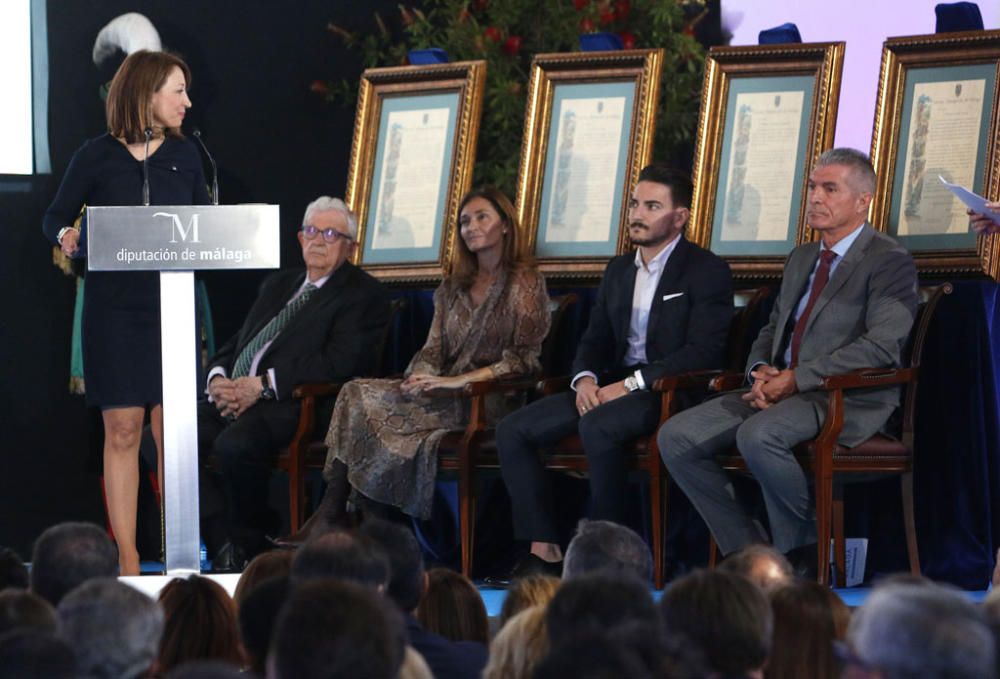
(121, 310)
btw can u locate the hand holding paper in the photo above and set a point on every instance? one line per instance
(984, 214)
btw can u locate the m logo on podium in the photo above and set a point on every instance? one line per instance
(177, 227)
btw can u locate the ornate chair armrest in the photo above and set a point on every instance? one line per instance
(696, 379)
(510, 383)
(728, 381)
(869, 377)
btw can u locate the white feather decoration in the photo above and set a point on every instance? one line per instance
(129, 32)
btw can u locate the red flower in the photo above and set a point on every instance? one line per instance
(606, 16)
(493, 33)
(580, 4)
(512, 45)
(628, 40)
(586, 25)
(622, 8)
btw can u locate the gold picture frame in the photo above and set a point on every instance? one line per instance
(412, 160)
(936, 115)
(786, 95)
(588, 131)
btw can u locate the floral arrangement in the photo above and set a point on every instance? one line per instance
(508, 32)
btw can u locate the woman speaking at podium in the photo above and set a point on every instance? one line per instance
(145, 107)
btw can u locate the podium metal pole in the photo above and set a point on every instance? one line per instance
(178, 333)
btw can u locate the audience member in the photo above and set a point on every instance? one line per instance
(414, 666)
(906, 631)
(603, 545)
(264, 566)
(447, 659)
(69, 554)
(36, 654)
(13, 572)
(593, 656)
(519, 646)
(722, 615)
(113, 629)
(342, 556)
(20, 609)
(206, 669)
(451, 606)
(331, 629)
(761, 564)
(257, 616)
(523, 593)
(615, 606)
(804, 632)
(199, 623)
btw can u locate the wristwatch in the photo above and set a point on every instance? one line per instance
(266, 392)
(631, 383)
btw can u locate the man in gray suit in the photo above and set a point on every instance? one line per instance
(846, 302)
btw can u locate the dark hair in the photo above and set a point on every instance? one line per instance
(745, 562)
(34, 654)
(451, 607)
(681, 188)
(465, 265)
(804, 633)
(604, 545)
(593, 656)
(20, 609)
(13, 572)
(257, 615)
(206, 669)
(724, 615)
(406, 563)
(199, 623)
(67, 555)
(337, 629)
(342, 556)
(264, 566)
(129, 107)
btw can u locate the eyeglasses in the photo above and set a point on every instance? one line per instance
(329, 235)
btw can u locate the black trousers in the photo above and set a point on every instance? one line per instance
(606, 433)
(246, 449)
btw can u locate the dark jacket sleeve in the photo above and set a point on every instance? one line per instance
(596, 349)
(76, 185)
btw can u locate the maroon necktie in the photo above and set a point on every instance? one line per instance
(819, 282)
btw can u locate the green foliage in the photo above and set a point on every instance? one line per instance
(507, 33)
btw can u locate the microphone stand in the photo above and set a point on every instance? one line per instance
(215, 169)
(148, 132)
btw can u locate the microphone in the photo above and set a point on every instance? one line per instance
(211, 160)
(148, 132)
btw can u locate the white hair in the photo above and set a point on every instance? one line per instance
(328, 204)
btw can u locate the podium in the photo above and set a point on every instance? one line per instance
(177, 241)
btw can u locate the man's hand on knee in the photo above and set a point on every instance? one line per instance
(611, 391)
(586, 395)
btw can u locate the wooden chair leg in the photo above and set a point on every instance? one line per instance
(657, 500)
(839, 541)
(713, 551)
(295, 500)
(824, 519)
(466, 517)
(909, 522)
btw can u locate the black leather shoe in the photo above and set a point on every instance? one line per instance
(230, 558)
(527, 565)
(804, 561)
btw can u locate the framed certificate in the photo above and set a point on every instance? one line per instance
(588, 132)
(767, 112)
(411, 162)
(936, 118)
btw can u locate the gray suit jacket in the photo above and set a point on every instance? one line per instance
(862, 319)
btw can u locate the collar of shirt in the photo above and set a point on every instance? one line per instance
(657, 262)
(844, 244)
(318, 283)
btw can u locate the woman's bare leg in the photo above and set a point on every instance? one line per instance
(122, 433)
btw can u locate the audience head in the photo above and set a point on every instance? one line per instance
(762, 565)
(206, 669)
(330, 629)
(804, 632)
(114, 629)
(199, 623)
(69, 554)
(527, 592)
(593, 656)
(264, 566)
(451, 607)
(13, 572)
(495, 206)
(607, 546)
(615, 606)
(724, 616)
(406, 563)
(519, 645)
(341, 556)
(36, 654)
(905, 631)
(20, 610)
(257, 616)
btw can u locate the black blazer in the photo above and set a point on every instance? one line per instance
(686, 332)
(330, 339)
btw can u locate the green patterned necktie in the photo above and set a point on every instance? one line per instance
(270, 331)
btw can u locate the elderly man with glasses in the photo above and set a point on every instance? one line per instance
(317, 325)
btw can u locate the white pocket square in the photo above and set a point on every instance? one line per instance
(671, 296)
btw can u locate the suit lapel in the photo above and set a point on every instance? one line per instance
(624, 307)
(319, 298)
(843, 273)
(668, 280)
(797, 278)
